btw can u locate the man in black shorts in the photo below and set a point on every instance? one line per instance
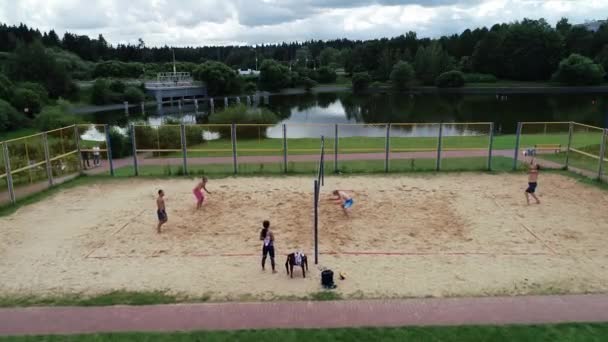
(268, 246)
(532, 181)
(160, 210)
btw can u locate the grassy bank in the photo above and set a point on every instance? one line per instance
(574, 332)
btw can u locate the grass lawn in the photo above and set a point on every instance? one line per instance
(268, 146)
(579, 160)
(17, 134)
(538, 333)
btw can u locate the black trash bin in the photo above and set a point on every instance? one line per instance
(327, 279)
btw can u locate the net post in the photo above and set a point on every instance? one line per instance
(490, 146)
(284, 148)
(233, 139)
(109, 149)
(47, 158)
(387, 148)
(600, 169)
(9, 176)
(322, 170)
(516, 151)
(570, 133)
(316, 220)
(134, 150)
(336, 148)
(77, 139)
(439, 143)
(182, 133)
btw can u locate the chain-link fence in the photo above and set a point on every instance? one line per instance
(548, 141)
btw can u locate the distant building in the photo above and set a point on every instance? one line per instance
(593, 25)
(249, 72)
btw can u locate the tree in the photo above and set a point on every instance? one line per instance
(134, 95)
(326, 75)
(488, 55)
(328, 56)
(6, 87)
(579, 40)
(361, 81)
(274, 76)
(10, 118)
(563, 27)
(219, 78)
(579, 70)
(601, 58)
(26, 101)
(402, 75)
(450, 79)
(430, 62)
(117, 86)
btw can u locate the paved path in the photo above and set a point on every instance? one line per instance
(334, 314)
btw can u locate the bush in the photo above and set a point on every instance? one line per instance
(361, 81)
(38, 88)
(579, 70)
(219, 78)
(402, 74)
(25, 99)
(120, 144)
(450, 79)
(134, 95)
(101, 93)
(10, 118)
(273, 75)
(326, 75)
(118, 69)
(479, 78)
(117, 86)
(308, 83)
(242, 114)
(52, 117)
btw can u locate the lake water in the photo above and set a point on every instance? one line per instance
(299, 111)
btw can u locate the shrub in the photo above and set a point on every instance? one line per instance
(6, 87)
(38, 88)
(243, 115)
(361, 81)
(579, 70)
(134, 95)
(117, 86)
(479, 78)
(10, 118)
(120, 144)
(26, 101)
(58, 116)
(326, 75)
(450, 79)
(101, 93)
(402, 74)
(308, 83)
(219, 78)
(273, 75)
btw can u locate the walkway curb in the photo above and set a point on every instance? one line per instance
(331, 314)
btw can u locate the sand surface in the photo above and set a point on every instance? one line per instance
(432, 235)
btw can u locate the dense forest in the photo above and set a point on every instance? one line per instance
(37, 68)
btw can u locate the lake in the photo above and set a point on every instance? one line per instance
(348, 108)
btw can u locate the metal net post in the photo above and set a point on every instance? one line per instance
(516, 152)
(134, 148)
(336, 149)
(47, 158)
(439, 142)
(490, 146)
(387, 148)
(316, 220)
(9, 176)
(600, 169)
(109, 149)
(233, 140)
(284, 148)
(77, 138)
(182, 133)
(570, 132)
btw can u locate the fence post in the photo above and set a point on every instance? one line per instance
(233, 138)
(9, 176)
(600, 169)
(284, 148)
(182, 133)
(316, 221)
(387, 147)
(143, 108)
(77, 139)
(491, 145)
(439, 143)
(516, 152)
(322, 170)
(336, 149)
(109, 149)
(134, 148)
(47, 158)
(570, 133)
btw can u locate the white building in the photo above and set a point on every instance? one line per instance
(249, 72)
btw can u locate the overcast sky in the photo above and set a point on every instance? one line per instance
(221, 22)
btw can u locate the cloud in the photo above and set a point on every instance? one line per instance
(220, 22)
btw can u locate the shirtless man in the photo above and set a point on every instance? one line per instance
(199, 194)
(267, 236)
(532, 181)
(160, 210)
(344, 199)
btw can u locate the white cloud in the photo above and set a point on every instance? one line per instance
(208, 22)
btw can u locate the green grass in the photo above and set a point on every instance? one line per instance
(248, 147)
(578, 160)
(17, 134)
(574, 332)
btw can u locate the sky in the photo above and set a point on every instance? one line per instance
(225, 22)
